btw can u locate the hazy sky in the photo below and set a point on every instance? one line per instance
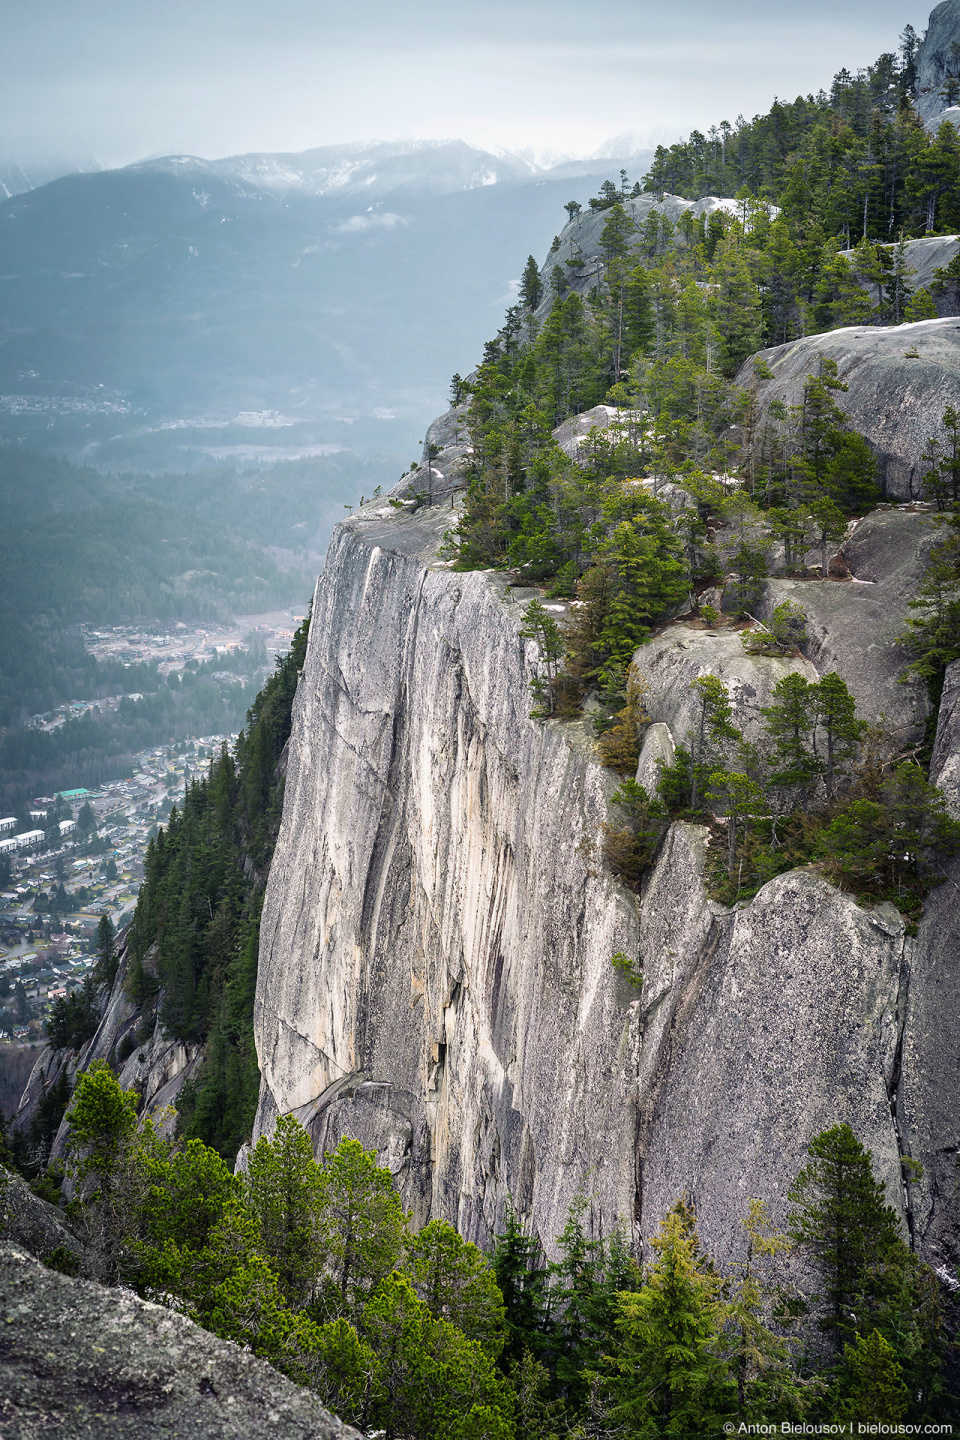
(121, 79)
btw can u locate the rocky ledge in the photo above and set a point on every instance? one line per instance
(83, 1363)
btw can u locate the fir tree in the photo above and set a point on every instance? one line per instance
(668, 1376)
(841, 1218)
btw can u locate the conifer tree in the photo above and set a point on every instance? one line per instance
(284, 1193)
(521, 1277)
(791, 722)
(873, 1381)
(768, 1386)
(531, 288)
(455, 1281)
(837, 721)
(841, 1218)
(107, 960)
(362, 1227)
(713, 730)
(668, 1376)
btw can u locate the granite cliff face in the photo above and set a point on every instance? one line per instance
(435, 971)
(935, 61)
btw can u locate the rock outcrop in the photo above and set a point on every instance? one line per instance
(895, 398)
(935, 61)
(156, 1067)
(435, 972)
(34, 1224)
(580, 237)
(83, 1362)
(854, 622)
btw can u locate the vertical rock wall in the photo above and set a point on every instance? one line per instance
(435, 971)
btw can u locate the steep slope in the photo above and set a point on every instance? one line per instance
(435, 971)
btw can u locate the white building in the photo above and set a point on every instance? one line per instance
(27, 839)
(38, 814)
(9, 822)
(7, 844)
(66, 826)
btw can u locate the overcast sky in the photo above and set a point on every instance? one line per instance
(117, 80)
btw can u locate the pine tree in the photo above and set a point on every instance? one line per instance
(531, 287)
(713, 730)
(768, 1387)
(837, 720)
(456, 1283)
(741, 800)
(284, 1186)
(107, 960)
(521, 1277)
(791, 722)
(842, 1220)
(362, 1227)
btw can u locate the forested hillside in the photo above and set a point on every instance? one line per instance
(192, 945)
(852, 161)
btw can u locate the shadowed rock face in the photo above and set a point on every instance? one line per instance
(83, 1362)
(934, 60)
(854, 624)
(893, 401)
(435, 972)
(26, 1220)
(157, 1068)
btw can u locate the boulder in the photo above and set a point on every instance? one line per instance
(88, 1363)
(672, 660)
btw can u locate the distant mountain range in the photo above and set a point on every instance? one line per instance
(182, 311)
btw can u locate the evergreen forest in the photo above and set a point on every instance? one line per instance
(190, 959)
(419, 1335)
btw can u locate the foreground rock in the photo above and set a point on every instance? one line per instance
(896, 401)
(85, 1363)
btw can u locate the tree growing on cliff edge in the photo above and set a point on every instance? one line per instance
(540, 627)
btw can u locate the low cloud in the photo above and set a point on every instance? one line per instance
(358, 223)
